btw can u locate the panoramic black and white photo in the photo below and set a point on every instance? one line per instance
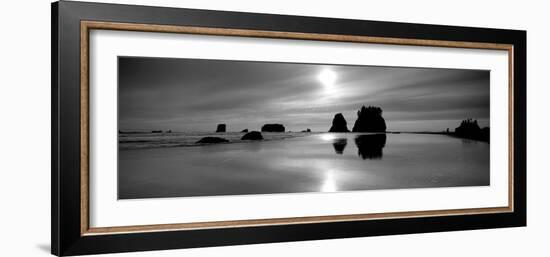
(198, 127)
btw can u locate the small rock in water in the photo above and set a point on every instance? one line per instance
(212, 140)
(254, 135)
(221, 128)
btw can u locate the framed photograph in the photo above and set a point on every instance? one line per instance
(178, 128)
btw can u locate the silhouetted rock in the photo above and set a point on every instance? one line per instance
(220, 128)
(369, 119)
(156, 131)
(339, 124)
(244, 130)
(212, 140)
(307, 130)
(370, 146)
(273, 128)
(485, 134)
(469, 129)
(253, 135)
(339, 145)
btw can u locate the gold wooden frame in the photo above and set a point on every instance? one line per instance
(86, 26)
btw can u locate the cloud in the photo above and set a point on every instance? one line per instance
(194, 94)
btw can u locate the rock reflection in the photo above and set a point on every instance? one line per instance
(370, 146)
(467, 142)
(339, 145)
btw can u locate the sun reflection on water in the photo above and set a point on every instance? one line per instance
(329, 185)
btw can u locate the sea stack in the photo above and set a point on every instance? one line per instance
(220, 128)
(339, 124)
(369, 119)
(273, 128)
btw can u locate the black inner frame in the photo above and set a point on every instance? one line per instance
(65, 169)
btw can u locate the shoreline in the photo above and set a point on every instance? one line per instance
(451, 134)
(129, 145)
(283, 135)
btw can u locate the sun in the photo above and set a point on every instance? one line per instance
(327, 78)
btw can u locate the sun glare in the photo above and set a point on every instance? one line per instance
(327, 137)
(327, 78)
(329, 185)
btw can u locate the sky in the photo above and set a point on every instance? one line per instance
(192, 95)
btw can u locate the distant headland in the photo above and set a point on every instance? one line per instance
(469, 129)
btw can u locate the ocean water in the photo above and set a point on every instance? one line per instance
(156, 165)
